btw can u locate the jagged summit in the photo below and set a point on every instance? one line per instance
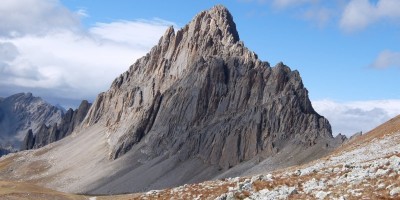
(219, 20)
(216, 21)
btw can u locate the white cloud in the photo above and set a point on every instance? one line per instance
(63, 59)
(281, 4)
(82, 13)
(387, 59)
(8, 51)
(250, 1)
(21, 17)
(320, 15)
(128, 32)
(358, 14)
(350, 117)
(290, 3)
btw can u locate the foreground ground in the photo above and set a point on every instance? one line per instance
(366, 168)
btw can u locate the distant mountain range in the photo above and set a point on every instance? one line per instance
(57, 131)
(21, 112)
(28, 122)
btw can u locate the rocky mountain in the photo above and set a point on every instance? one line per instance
(199, 90)
(21, 112)
(46, 135)
(198, 106)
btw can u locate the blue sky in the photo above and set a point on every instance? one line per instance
(334, 62)
(347, 51)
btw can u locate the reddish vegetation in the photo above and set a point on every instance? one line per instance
(387, 128)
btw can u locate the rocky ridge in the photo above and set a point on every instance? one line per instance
(21, 112)
(48, 134)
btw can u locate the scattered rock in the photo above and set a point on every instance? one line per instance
(395, 191)
(321, 194)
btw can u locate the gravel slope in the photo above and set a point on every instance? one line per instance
(368, 168)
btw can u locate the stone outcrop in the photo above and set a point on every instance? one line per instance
(201, 93)
(21, 112)
(48, 134)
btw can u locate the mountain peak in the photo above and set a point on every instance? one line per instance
(217, 21)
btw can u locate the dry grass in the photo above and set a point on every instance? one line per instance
(387, 128)
(17, 190)
(6, 163)
(35, 167)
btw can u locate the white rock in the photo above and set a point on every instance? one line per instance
(281, 192)
(312, 185)
(390, 187)
(381, 186)
(321, 194)
(256, 178)
(246, 186)
(395, 162)
(336, 169)
(152, 192)
(356, 192)
(236, 179)
(226, 196)
(394, 191)
(381, 172)
(267, 177)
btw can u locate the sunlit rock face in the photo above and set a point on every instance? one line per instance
(201, 93)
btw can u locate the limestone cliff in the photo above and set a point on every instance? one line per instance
(201, 93)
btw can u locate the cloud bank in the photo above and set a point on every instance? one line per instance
(351, 117)
(21, 17)
(44, 47)
(359, 14)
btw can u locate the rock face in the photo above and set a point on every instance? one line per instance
(48, 134)
(201, 93)
(21, 112)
